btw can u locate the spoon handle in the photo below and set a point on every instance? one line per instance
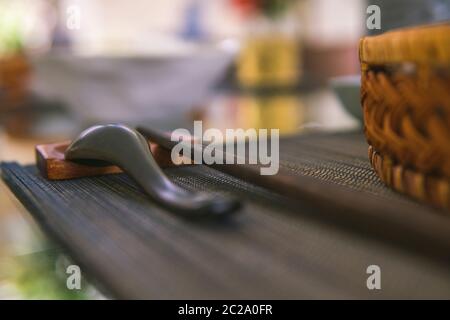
(129, 150)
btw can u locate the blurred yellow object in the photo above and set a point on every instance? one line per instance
(285, 112)
(269, 60)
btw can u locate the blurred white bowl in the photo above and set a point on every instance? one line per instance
(130, 88)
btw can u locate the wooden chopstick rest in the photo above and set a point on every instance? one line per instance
(52, 165)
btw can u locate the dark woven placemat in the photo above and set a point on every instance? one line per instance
(339, 158)
(270, 250)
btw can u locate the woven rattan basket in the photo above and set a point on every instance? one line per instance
(405, 95)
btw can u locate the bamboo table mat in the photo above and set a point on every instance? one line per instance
(274, 248)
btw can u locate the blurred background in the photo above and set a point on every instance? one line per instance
(68, 64)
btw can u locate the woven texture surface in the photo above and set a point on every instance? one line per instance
(406, 99)
(135, 249)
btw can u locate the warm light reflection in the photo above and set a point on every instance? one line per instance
(284, 112)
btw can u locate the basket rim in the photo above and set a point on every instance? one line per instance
(423, 45)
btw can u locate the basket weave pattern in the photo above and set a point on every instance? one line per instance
(405, 95)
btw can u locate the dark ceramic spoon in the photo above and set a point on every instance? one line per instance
(129, 150)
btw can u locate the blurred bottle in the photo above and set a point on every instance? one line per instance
(271, 55)
(269, 67)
